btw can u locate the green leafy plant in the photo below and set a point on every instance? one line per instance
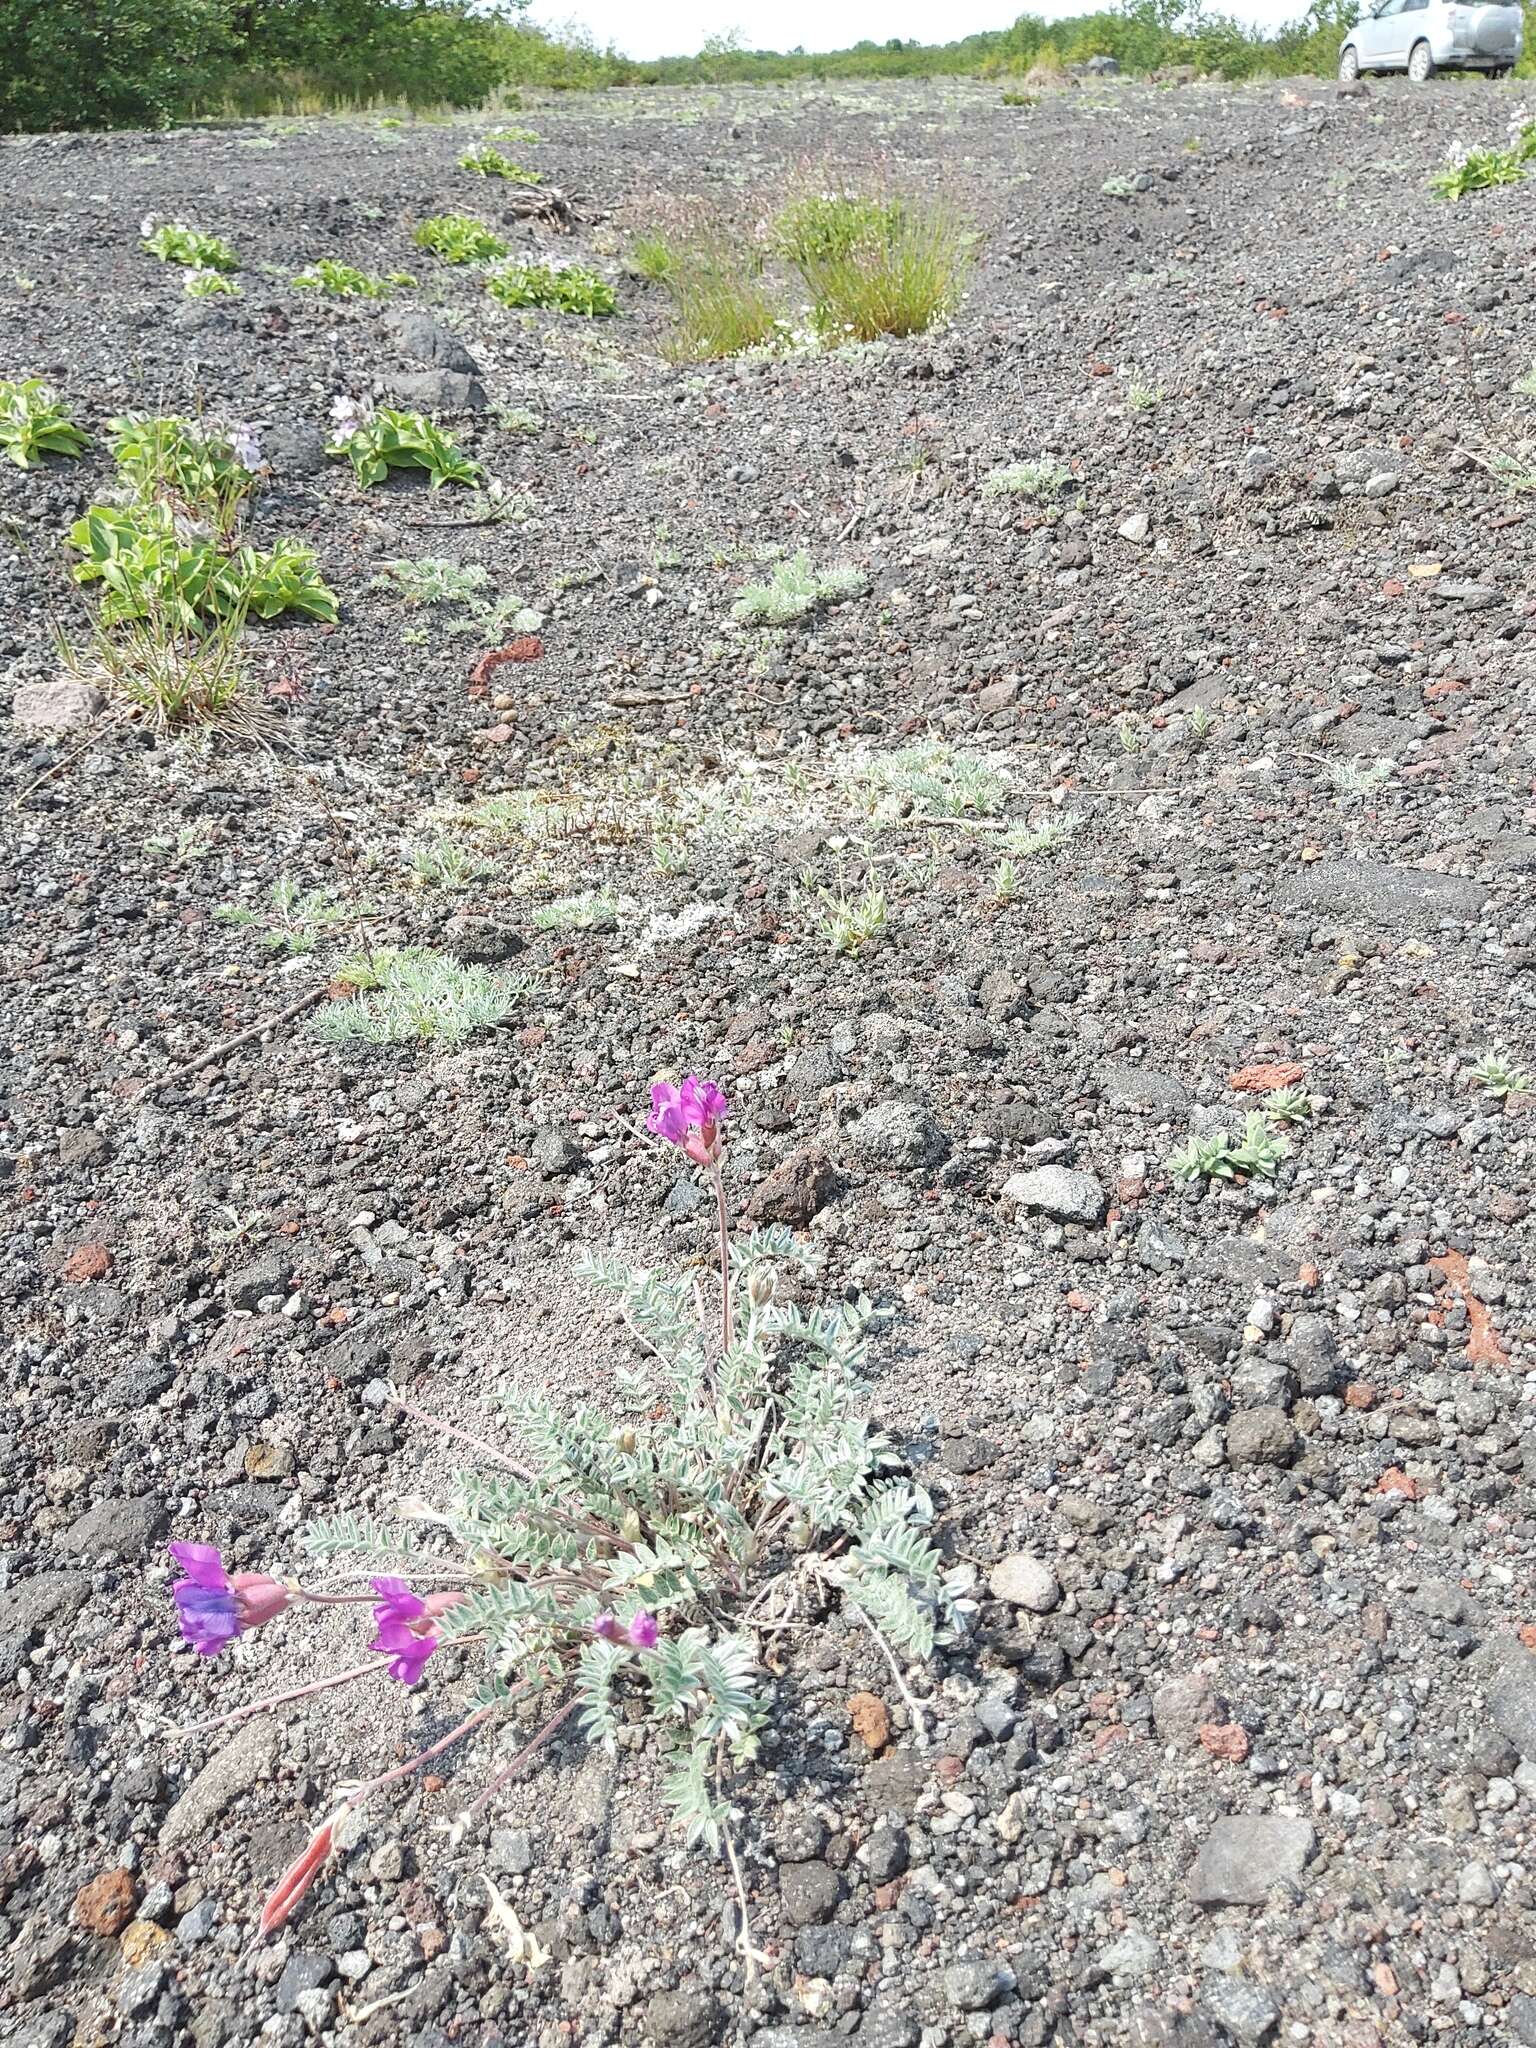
(294, 920)
(1500, 1077)
(173, 243)
(1222, 1157)
(1285, 1106)
(594, 910)
(192, 462)
(1042, 479)
(343, 281)
(410, 993)
(849, 923)
(490, 163)
(820, 227)
(794, 588)
(210, 284)
(444, 863)
(403, 440)
(929, 780)
(459, 238)
(34, 423)
(570, 290)
(152, 567)
(1478, 170)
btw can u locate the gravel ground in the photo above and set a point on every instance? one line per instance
(1242, 1746)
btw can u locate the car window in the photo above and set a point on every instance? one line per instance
(1392, 7)
(1414, 6)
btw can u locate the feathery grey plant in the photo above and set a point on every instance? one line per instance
(627, 1561)
(794, 588)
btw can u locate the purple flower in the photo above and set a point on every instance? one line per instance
(214, 1608)
(644, 1630)
(606, 1627)
(406, 1635)
(348, 414)
(245, 445)
(690, 1117)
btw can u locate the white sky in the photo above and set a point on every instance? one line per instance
(676, 28)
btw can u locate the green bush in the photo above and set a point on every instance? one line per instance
(107, 63)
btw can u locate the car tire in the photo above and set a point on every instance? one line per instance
(1349, 64)
(1421, 64)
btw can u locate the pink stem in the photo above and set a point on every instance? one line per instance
(727, 1319)
(525, 1752)
(425, 1757)
(282, 1699)
(333, 1599)
(465, 1436)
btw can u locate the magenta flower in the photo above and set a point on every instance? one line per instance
(214, 1608)
(644, 1631)
(606, 1627)
(406, 1634)
(689, 1117)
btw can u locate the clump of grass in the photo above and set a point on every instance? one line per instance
(171, 677)
(343, 281)
(444, 863)
(876, 267)
(294, 920)
(34, 423)
(652, 258)
(571, 290)
(1042, 479)
(489, 162)
(459, 238)
(432, 580)
(199, 467)
(794, 588)
(720, 300)
(819, 227)
(409, 993)
(174, 243)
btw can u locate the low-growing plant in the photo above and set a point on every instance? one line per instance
(849, 923)
(151, 565)
(517, 419)
(432, 580)
(570, 290)
(594, 910)
(342, 281)
(210, 284)
(1255, 1156)
(173, 243)
(928, 780)
(388, 439)
(294, 920)
(1042, 479)
(34, 423)
(653, 258)
(409, 993)
(620, 1572)
(1143, 397)
(444, 863)
(459, 238)
(1357, 777)
(1477, 170)
(794, 588)
(1287, 1106)
(1499, 1077)
(490, 163)
(1025, 842)
(820, 227)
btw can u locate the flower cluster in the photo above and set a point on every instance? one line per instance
(213, 1607)
(689, 1117)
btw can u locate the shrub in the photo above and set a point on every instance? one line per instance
(410, 993)
(107, 63)
(174, 243)
(33, 423)
(151, 565)
(620, 1575)
(564, 291)
(389, 440)
(459, 238)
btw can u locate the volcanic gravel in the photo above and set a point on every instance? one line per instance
(1240, 1744)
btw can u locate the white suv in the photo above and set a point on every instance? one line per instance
(1422, 37)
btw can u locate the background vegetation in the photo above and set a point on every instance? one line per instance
(105, 63)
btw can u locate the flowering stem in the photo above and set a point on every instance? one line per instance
(527, 1751)
(727, 1318)
(282, 1699)
(425, 1757)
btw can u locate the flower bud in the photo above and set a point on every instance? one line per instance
(257, 1598)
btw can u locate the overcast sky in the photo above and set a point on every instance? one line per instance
(672, 28)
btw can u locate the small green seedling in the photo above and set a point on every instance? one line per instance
(1223, 1157)
(459, 238)
(1495, 1074)
(33, 423)
(793, 589)
(173, 243)
(342, 281)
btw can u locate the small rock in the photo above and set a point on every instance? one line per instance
(438, 390)
(798, 1189)
(555, 1153)
(105, 1905)
(810, 1892)
(244, 1761)
(305, 1970)
(1063, 1192)
(1025, 1581)
(293, 449)
(1135, 529)
(1261, 1436)
(683, 2019)
(116, 1528)
(84, 1148)
(973, 1983)
(426, 340)
(1246, 1854)
(898, 1135)
(871, 1721)
(56, 703)
(1246, 2011)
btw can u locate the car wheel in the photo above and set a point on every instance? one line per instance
(1349, 64)
(1421, 65)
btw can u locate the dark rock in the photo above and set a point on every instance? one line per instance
(1245, 2011)
(84, 1148)
(1385, 894)
(822, 1951)
(810, 1892)
(437, 390)
(305, 1970)
(293, 450)
(1261, 1436)
(476, 941)
(973, 1983)
(116, 1528)
(798, 1188)
(425, 340)
(555, 1154)
(262, 1279)
(683, 2019)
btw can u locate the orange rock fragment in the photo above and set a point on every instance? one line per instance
(871, 1722)
(1483, 1346)
(1268, 1074)
(1395, 1480)
(1225, 1740)
(105, 1905)
(87, 1262)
